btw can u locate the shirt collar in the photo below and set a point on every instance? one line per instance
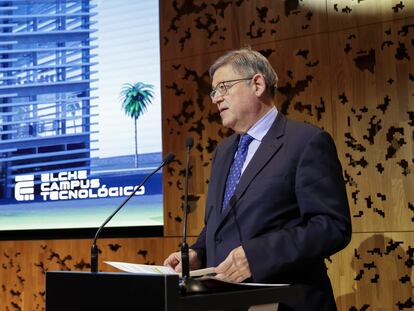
(261, 127)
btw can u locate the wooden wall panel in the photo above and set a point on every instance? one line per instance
(374, 272)
(189, 28)
(302, 65)
(372, 91)
(343, 14)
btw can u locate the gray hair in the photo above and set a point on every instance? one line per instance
(248, 62)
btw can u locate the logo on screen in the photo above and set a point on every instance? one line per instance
(70, 185)
(24, 188)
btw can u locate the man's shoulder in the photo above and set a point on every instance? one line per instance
(293, 128)
(302, 125)
(302, 133)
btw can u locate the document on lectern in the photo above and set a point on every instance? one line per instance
(152, 269)
(205, 275)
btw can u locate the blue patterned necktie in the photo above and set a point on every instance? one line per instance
(236, 168)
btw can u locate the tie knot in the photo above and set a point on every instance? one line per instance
(245, 141)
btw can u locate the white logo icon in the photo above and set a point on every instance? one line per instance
(24, 188)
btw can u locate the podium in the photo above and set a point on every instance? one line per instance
(81, 291)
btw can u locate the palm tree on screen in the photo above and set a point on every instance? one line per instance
(135, 100)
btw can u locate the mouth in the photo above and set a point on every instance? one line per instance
(223, 109)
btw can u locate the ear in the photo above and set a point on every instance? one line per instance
(259, 85)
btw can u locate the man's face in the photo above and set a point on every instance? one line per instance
(238, 105)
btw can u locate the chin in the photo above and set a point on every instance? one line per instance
(228, 125)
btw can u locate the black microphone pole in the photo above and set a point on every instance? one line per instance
(94, 248)
(184, 246)
(187, 284)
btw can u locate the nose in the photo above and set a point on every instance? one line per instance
(217, 98)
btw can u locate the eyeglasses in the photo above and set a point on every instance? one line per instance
(223, 87)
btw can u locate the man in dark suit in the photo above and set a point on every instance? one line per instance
(277, 204)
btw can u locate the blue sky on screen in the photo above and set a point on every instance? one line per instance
(128, 52)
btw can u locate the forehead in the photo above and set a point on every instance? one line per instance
(224, 73)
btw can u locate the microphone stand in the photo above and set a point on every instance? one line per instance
(187, 284)
(185, 264)
(94, 248)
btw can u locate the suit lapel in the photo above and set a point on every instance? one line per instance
(223, 166)
(269, 146)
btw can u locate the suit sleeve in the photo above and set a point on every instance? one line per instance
(324, 225)
(200, 247)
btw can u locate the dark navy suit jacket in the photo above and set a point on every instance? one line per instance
(289, 211)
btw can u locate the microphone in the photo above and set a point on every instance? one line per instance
(184, 246)
(94, 248)
(187, 284)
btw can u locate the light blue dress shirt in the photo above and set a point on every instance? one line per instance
(258, 131)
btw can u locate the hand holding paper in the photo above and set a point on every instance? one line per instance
(174, 261)
(235, 268)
